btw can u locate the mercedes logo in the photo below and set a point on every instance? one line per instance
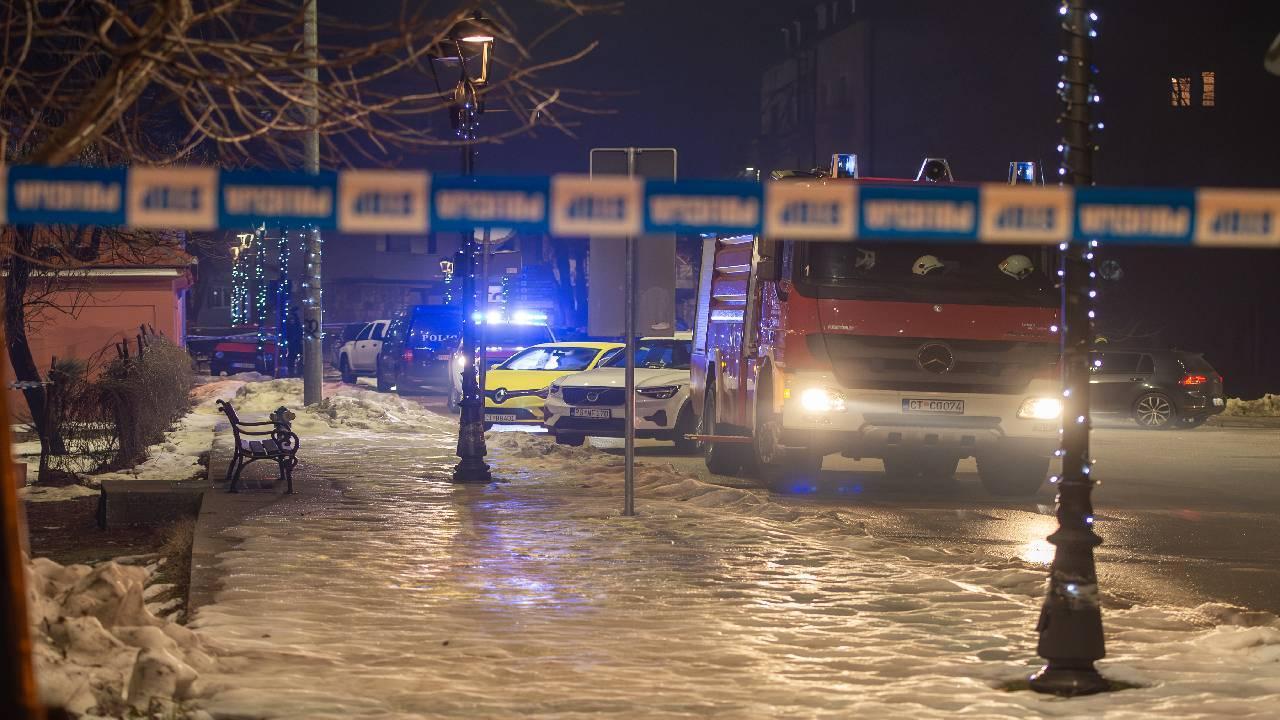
(593, 396)
(935, 358)
(500, 395)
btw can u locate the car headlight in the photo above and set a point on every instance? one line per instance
(661, 392)
(822, 400)
(1040, 409)
(460, 360)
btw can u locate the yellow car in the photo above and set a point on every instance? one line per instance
(515, 391)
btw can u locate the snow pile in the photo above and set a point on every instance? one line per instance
(99, 651)
(348, 408)
(1266, 406)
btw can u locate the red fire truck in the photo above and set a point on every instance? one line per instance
(919, 354)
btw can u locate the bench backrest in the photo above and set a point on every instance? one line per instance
(230, 412)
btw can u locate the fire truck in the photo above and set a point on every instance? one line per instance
(919, 354)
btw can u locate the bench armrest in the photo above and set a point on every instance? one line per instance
(288, 441)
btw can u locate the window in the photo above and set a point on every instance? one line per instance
(1180, 88)
(220, 297)
(1114, 362)
(377, 332)
(364, 332)
(1208, 81)
(570, 359)
(1146, 365)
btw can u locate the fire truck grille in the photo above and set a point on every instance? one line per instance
(594, 396)
(934, 365)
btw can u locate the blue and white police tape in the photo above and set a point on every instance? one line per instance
(414, 202)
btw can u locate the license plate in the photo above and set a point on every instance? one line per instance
(494, 417)
(590, 413)
(243, 365)
(932, 406)
(1218, 402)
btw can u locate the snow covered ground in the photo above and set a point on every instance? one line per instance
(396, 594)
(102, 650)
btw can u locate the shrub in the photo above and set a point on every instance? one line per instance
(144, 395)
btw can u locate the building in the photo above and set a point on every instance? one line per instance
(1184, 98)
(83, 312)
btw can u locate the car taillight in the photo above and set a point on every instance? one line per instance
(407, 355)
(1193, 380)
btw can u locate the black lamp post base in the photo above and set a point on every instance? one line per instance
(472, 470)
(1069, 680)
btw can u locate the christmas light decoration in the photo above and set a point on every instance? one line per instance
(1070, 623)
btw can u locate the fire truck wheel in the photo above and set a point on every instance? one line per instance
(384, 385)
(686, 425)
(570, 439)
(719, 457)
(1018, 474)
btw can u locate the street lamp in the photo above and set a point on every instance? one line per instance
(472, 38)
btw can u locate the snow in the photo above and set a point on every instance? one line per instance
(99, 650)
(1266, 406)
(406, 595)
(53, 493)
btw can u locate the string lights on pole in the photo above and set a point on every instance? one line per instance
(1070, 625)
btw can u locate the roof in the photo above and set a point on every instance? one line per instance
(584, 343)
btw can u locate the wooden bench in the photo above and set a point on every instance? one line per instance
(278, 443)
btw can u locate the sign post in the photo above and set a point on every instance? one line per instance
(658, 283)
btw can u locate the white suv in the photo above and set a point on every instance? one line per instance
(591, 403)
(359, 356)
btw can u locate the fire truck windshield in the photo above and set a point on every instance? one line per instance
(918, 272)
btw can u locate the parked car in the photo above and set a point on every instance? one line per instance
(502, 339)
(235, 355)
(1159, 389)
(359, 355)
(418, 348)
(516, 389)
(592, 403)
(341, 338)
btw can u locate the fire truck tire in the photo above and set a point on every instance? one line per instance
(1013, 474)
(384, 385)
(721, 458)
(686, 425)
(570, 439)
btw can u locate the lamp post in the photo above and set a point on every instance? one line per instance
(472, 39)
(1070, 623)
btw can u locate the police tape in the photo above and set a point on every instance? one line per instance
(415, 202)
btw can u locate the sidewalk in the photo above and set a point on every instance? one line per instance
(382, 590)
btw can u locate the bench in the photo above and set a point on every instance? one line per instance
(278, 443)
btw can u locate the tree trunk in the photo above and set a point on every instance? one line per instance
(15, 335)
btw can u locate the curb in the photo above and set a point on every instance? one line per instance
(221, 510)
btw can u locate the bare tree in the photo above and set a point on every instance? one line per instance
(155, 82)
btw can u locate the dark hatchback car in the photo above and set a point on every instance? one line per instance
(1159, 389)
(417, 351)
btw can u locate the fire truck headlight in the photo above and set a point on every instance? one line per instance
(1040, 409)
(822, 400)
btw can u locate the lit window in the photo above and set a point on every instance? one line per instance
(1181, 91)
(1208, 80)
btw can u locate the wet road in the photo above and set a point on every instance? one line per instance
(1186, 516)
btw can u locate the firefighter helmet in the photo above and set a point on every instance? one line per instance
(926, 264)
(1017, 266)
